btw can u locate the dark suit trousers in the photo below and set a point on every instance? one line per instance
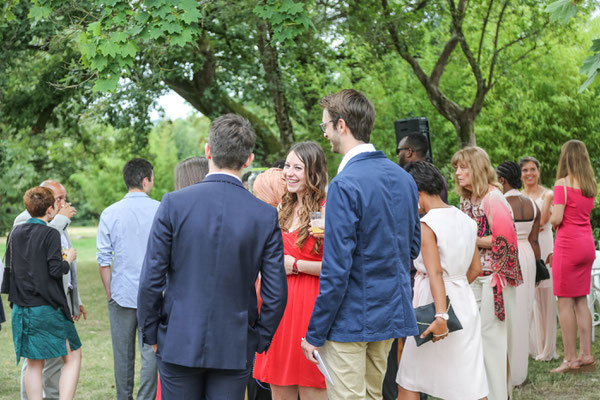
(187, 383)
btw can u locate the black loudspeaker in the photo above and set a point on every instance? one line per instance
(407, 126)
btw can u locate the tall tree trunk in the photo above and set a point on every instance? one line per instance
(270, 62)
(204, 94)
(465, 128)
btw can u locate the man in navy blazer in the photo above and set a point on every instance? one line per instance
(197, 301)
(372, 231)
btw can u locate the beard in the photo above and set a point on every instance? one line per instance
(402, 160)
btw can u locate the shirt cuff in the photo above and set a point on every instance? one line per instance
(104, 261)
(61, 221)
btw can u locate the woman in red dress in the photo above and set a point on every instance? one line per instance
(574, 253)
(284, 366)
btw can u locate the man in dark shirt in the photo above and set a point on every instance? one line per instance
(413, 147)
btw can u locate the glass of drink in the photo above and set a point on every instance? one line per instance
(317, 222)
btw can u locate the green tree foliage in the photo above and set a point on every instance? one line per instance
(563, 11)
(92, 173)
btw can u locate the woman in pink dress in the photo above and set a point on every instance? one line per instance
(284, 366)
(542, 334)
(574, 253)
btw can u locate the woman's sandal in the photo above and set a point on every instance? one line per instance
(566, 367)
(589, 367)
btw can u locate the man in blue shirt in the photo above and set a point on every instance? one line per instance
(372, 231)
(123, 233)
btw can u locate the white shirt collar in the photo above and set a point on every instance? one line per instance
(224, 173)
(356, 150)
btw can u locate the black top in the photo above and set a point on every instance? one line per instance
(37, 267)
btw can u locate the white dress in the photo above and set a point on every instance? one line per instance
(451, 368)
(525, 295)
(542, 334)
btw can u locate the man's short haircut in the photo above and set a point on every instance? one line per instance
(37, 200)
(354, 108)
(134, 172)
(246, 176)
(417, 143)
(427, 177)
(231, 140)
(278, 164)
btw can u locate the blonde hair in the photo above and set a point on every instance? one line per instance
(482, 174)
(574, 162)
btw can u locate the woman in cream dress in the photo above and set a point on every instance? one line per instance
(451, 365)
(527, 225)
(542, 334)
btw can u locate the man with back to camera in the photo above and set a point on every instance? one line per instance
(122, 237)
(372, 231)
(211, 240)
(53, 366)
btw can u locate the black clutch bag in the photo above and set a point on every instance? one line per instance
(426, 315)
(541, 271)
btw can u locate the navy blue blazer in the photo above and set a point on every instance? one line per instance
(372, 231)
(207, 245)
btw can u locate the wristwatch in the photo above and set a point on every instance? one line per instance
(295, 267)
(444, 316)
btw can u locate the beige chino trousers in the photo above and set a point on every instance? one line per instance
(357, 369)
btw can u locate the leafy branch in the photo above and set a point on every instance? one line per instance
(562, 11)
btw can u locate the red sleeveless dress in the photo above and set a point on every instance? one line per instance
(284, 363)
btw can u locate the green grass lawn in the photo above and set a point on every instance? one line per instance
(97, 379)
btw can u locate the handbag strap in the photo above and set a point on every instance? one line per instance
(427, 324)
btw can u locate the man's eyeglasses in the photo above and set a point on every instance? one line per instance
(324, 124)
(403, 149)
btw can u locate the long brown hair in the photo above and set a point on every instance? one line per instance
(190, 171)
(481, 172)
(575, 162)
(315, 173)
